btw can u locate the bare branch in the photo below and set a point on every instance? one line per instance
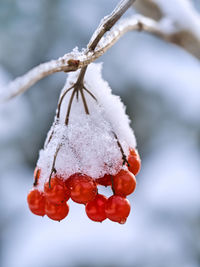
(75, 60)
(21, 84)
(108, 22)
(184, 18)
(69, 62)
(105, 25)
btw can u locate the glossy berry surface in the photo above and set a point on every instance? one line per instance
(117, 209)
(58, 193)
(56, 212)
(95, 209)
(105, 180)
(36, 202)
(69, 182)
(83, 188)
(134, 161)
(124, 183)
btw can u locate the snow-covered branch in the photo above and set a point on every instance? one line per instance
(180, 16)
(71, 61)
(181, 27)
(76, 60)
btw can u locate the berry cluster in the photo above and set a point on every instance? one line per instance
(82, 189)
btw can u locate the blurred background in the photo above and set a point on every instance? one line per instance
(159, 84)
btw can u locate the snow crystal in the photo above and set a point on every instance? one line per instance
(88, 143)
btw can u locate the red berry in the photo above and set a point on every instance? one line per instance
(117, 209)
(36, 202)
(83, 188)
(95, 209)
(37, 172)
(124, 183)
(69, 182)
(56, 212)
(105, 180)
(134, 161)
(57, 192)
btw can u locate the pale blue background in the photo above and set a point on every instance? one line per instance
(160, 84)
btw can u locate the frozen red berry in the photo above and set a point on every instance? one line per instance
(117, 209)
(134, 161)
(57, 192)
(124, 183)
(56, 212)
(83, 188)
(95, 209)
(36, 202)
(69, 182)
(105, 180)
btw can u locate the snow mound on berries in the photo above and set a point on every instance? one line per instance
(88, 144)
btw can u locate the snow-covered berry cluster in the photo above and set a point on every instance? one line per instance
(83, 190)
(84, 150)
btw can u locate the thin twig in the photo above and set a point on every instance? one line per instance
(69, 106)
(61, 99)
(108, 22)
(104, 27)
(124, 158)
(50, 137)
(90, 93)
(53, 170)
(84, 101)
(36, 177)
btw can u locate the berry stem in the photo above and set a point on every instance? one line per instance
(53, 170)
(124, 158)
(112, 184)
(84, 102)
(90, 93)
(61, 99)
(69, 106)
(36, 178)
(50, 137)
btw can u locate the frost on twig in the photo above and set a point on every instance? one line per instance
(107, 22)
(75, 60)
(169, 28)
(179, 13)
(67, 62)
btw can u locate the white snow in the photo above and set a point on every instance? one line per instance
(88, 144)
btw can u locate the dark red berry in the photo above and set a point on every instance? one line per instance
(105, 180)
(57, 192)
(117, 209)
(124, 183)
(134, 161)
(95, 209)
(36, 202)
(83, 188)
(56, 212)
